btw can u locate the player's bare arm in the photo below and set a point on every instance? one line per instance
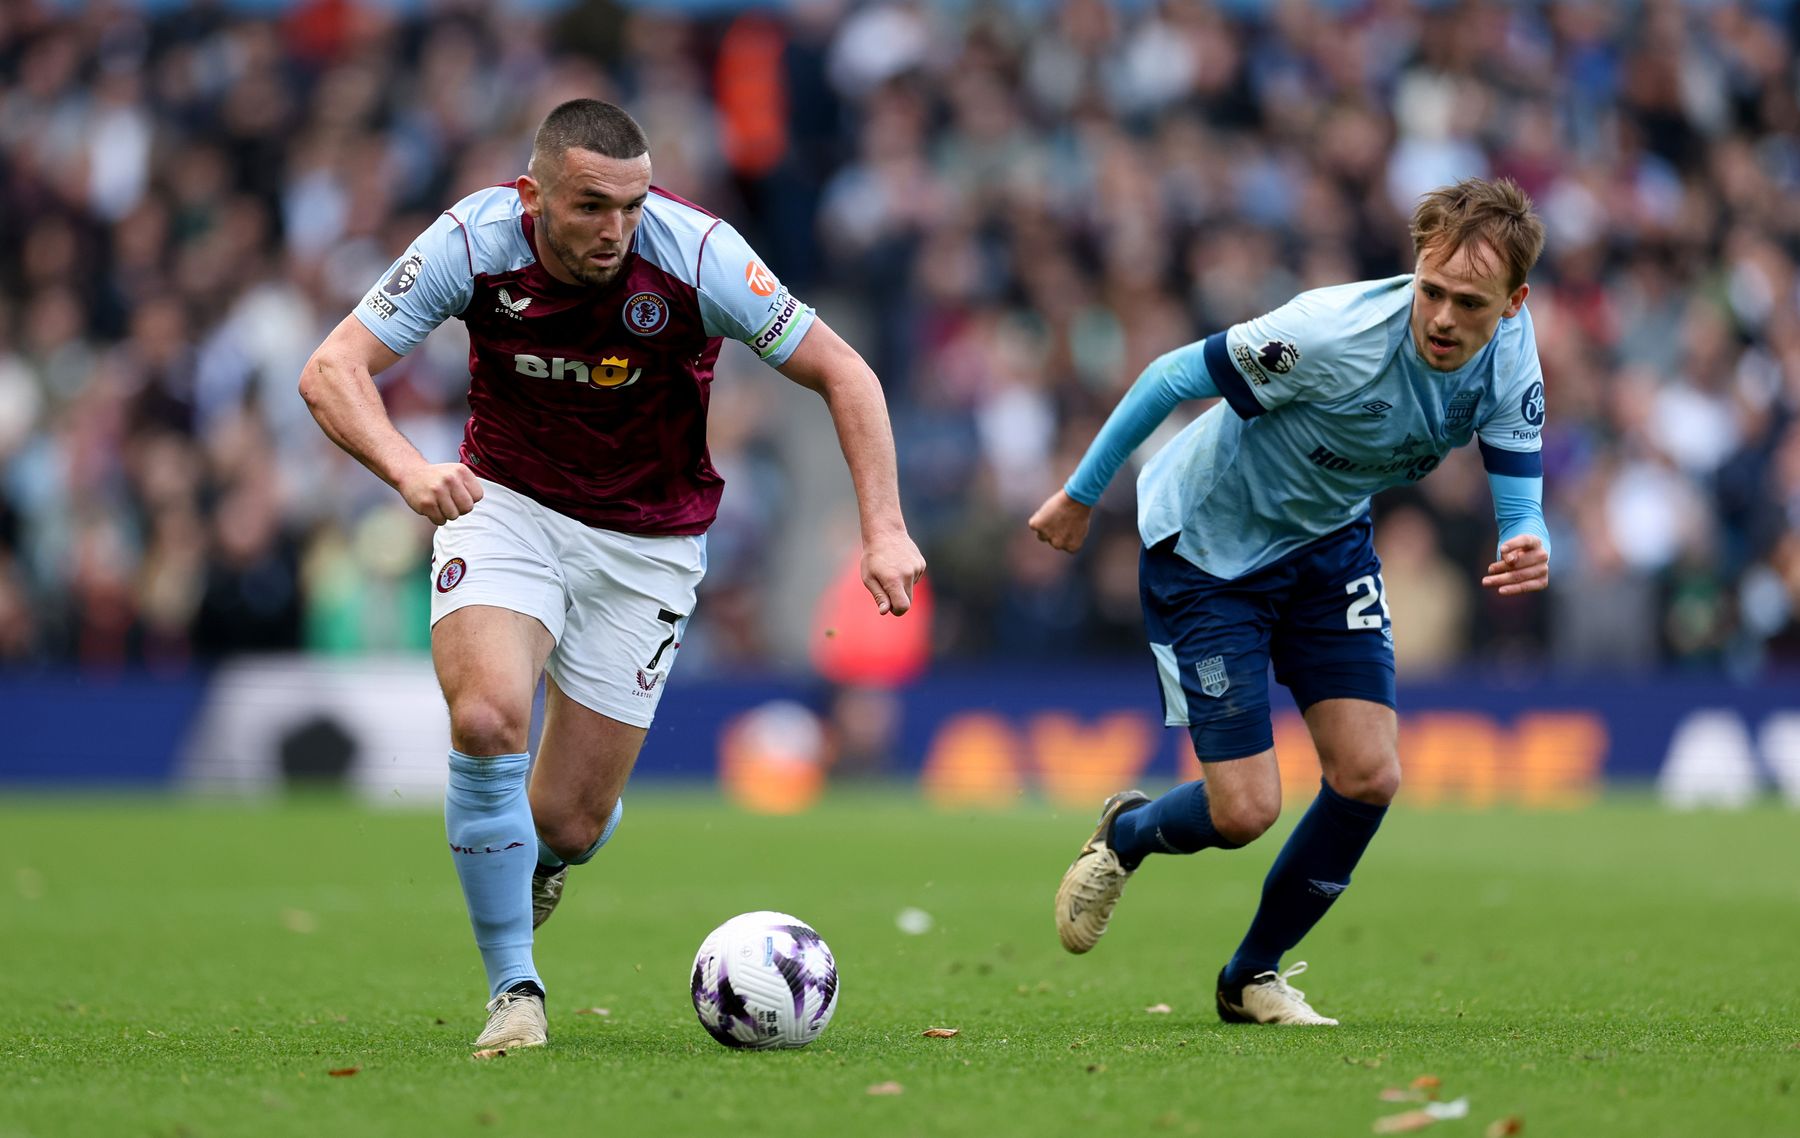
(1524, 567)
(891, 563)
(339, 388)
(1062, 521)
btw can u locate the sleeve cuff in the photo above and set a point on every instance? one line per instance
(1514, 463)
(1230, 382)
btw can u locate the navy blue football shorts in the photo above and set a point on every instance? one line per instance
(1319, 614)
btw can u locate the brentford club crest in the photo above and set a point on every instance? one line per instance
(1213, 679)
(646, 313)
(451, 574)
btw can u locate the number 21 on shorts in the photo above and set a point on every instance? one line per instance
(1365, 594)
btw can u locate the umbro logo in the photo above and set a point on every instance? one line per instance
(1328, 888)
(511, 307)
(1378, 407)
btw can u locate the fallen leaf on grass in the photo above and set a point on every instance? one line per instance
(1401, 1094)
(1505, 1127)
(593, 1011)
(1159, 1009)
(940, 1032)
(343, 1072)
(1427, 1083)
(1421, 1118)
(1403, 1123)
(889, 1088)
(490, 1053)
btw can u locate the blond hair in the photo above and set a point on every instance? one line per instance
(1475, 211)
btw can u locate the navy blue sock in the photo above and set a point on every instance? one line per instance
(1180, 822)
(1312, 869)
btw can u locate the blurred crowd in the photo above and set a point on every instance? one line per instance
(1011, 207)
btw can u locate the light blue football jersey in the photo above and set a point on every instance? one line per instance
(1327, 402)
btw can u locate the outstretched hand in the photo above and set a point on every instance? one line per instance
(1062, 521)
(891, 566)
(1524, 567)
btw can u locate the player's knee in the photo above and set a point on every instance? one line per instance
(483, 726)
(1243, 820)
(1375, 783)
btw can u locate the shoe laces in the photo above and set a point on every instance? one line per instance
(504, 1002)
(1094, 885)
(1279, 981)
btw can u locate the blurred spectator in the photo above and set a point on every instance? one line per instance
(1019, 204)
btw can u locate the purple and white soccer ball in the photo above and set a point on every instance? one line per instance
(764, 980)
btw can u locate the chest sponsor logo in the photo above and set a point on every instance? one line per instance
(405, 275)
(1279, 356)
(776, 329)
(646, 313)
(1246, 362)
(760, 280)
(611, 371)
(1461, 408)
(1531, 405)
(510, 307)
(1414, 466)
(381, 305)
(1213, 680)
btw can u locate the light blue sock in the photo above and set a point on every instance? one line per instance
(487, 818)
(548, 862)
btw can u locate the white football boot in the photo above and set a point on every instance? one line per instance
(1095, 881)
(546, 891)
(515, 1019)
(1268, 998)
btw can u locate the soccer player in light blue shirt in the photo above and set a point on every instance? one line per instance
(1258, 550)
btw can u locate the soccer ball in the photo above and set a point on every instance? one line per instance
(764, 980)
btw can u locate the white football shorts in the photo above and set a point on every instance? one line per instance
(617, 604)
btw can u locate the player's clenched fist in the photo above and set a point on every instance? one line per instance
(891, 566)
(1062, 521)
(1524, 567)
(441, 491)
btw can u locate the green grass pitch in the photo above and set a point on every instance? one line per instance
(190, 969)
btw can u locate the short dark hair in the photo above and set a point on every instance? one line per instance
(1475, 209)
(587, 124)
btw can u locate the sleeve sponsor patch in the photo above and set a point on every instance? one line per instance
(787, 308)
(380, 305)
(760, 280)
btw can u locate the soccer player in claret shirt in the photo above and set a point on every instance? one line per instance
(1256, 533)
(572, 532)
